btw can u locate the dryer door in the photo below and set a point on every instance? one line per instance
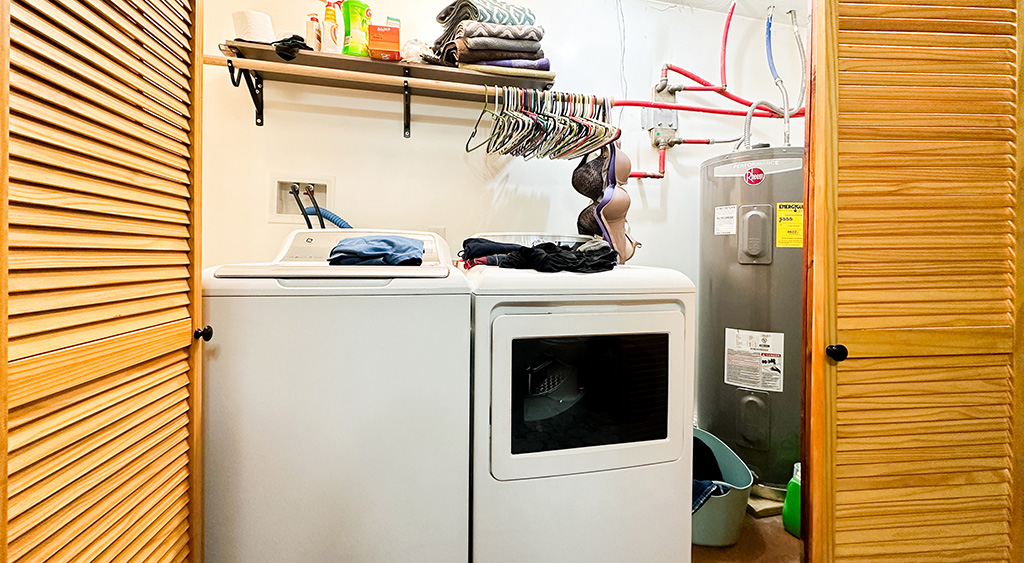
(577, 393)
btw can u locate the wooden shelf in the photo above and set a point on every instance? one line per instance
(372, 70)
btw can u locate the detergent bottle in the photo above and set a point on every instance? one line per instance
(357, 24)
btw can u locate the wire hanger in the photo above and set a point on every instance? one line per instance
(480, 118)
(541, 124)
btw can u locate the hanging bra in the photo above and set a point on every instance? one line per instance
(587, 224)
(589, 178)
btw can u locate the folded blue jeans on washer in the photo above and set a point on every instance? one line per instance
(703, 490)
(377, 251)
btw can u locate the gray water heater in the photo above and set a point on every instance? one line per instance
(750, 307)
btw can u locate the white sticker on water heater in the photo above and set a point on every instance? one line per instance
(753, 360)
(725, 220)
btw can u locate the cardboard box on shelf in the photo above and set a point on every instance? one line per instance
(384, 42)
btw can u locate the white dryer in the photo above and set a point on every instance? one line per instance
(336, 408)
(583, 413)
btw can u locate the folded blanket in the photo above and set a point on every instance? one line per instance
(457, 51)
(541, 64)
(469, 28)
(499, 44)
(491, 11)
(505, 71)
(494, 11)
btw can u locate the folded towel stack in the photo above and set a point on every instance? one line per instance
(494, 37)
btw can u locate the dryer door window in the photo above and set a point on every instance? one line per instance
(576, 393)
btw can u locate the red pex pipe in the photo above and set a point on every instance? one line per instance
(725, 39)
(705, 82)
(707, 85)
(681, 107)
(720, 90)
(656, 175)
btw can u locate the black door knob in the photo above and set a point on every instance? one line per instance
(837, 352)
(205, 333)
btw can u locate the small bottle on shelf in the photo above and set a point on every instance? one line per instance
(313, 31)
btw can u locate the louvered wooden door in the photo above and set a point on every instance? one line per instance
(914, 170)
(101, 254)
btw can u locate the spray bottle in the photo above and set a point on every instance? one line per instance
(330, 35)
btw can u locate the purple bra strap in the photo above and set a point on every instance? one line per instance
(609, 190)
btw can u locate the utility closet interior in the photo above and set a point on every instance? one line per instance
(509, 281)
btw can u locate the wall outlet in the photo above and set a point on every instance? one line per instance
(283, 206)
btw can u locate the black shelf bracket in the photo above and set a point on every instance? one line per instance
(254, 82)
(408, 103)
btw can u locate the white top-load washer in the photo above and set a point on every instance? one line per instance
(336, 408)
(583, 413)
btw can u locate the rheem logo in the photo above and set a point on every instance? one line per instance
(753, 176)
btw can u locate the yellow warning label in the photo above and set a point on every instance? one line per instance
(789, 232)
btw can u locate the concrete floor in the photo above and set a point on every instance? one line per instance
(762, 540)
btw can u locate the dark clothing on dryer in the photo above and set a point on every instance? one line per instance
(492, 260)
(479, 247)
(550, 257)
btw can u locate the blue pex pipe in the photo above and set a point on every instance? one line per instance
(768, 47)
(341, 223)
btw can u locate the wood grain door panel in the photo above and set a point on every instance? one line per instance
(914, 262)
(100, 207)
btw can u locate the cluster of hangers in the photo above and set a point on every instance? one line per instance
(542, 124)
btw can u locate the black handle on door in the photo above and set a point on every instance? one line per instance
(205, 333)
(837, 352)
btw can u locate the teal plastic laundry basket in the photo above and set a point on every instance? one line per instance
(718, 522)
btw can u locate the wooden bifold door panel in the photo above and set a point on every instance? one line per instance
(100, 259)
(913, 176)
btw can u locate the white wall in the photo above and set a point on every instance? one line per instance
(384, 180)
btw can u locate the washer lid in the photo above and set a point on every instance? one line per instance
(305, 252)
(491, 280)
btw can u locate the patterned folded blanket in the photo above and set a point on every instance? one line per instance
(470, 28)
(457, 51)
(494, 11)
(490, 11)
